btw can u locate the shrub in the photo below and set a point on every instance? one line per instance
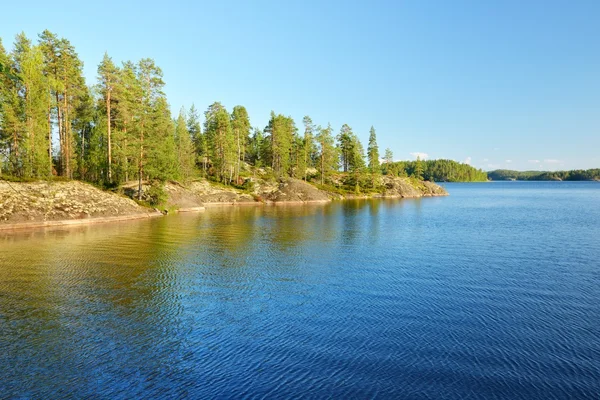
(156, 193)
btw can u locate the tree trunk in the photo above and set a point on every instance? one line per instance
(237, 172)
(50, 137)
(322, 171)
(305, 161)
(141, 164)
(30, 132)
(16, 151)
(60, 135)
(67, 133)
(125, 151)
(81, 167)
(108, 136)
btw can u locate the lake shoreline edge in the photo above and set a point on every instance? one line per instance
(47, 204)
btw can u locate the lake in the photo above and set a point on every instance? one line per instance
(492, 292)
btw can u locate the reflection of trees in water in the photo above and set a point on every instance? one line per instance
(352, 221)
(374, 221)
(291, 226)
(134, 293)
(83, 292)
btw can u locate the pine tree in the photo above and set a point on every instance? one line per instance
(198, 139)
(107, 76)
(389, 159)
(86, 116)
(240, 124)
(255, 148)
(23, 119)
(373, 156)
(220, 140)
(5, 83)
(280, 133)
(185, 147)
(356, 161)
(308, 145)
(328, 153)
(161, 147)
(14, 118)
(418, 172)
(344, 139)
(150, 81)
(73, 88)
(49, 44)
(11, 126)
(128, 111)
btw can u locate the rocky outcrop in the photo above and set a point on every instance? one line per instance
(407, 187)
(169, 196)
(60, 203)
(181, 198)
(211, 193)
(296, 191)
(44, 202)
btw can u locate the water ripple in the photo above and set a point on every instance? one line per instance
(490, 293)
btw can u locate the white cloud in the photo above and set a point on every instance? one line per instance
(485, 160)
(508, 161)
(533, 161)
(467, 160)
(417, 154)
(552, 161)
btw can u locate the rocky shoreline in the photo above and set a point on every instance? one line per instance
(65, 203)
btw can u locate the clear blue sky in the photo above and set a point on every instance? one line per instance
(504, 84)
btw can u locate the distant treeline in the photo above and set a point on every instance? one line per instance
(573, 175)
(437, 170)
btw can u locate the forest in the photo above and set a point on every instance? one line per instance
(53, 125)
(572, 175)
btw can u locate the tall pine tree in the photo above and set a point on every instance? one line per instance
(373, 157)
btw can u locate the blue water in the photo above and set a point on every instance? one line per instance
(489, 293)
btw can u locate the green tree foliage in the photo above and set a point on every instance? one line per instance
(127, 120)
(345, 143)
(5, 70)
(357, 164)
(107, 79)
(240, 124)
(185, 147)
(373, 157)
(23, 117)
(352, 157)
(328, 157)
(417, 172)
(84, 124)
(198, 138)
(11, 125)
(161, 149)
(220, 141)
(437, 170)
(67, 89)
(280, 136)
(309, 148)
(388, 158)
(153, 120)
(256, 145)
